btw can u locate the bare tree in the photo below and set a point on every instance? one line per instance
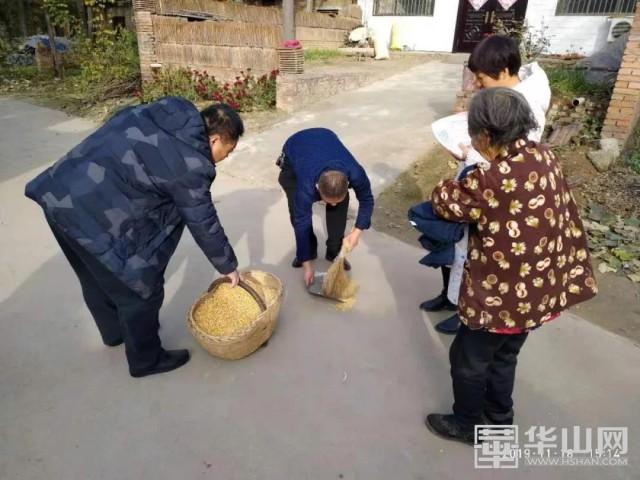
(22, 20)
(57, 67)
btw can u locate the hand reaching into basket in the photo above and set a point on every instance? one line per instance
(234, 277)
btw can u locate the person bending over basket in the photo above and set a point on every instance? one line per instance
(316, 166)
(528, 258)
(117, 204)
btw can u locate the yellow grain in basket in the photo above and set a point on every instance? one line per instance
(227, 311)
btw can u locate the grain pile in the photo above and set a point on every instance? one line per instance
(337, 284)
(227, 311)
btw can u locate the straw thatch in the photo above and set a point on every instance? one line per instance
(236, 37)
(226, 10)
(237, 58)
(352, 11)
(321, 20)
(172, 30)
(306, 34)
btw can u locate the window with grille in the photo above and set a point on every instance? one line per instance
(595, 7)
(409, 8)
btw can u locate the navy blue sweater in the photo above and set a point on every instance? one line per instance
(309, 153)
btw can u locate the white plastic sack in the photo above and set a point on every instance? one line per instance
(380, 46)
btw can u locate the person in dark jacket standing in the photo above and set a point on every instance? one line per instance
(117, 204)
(316, 166)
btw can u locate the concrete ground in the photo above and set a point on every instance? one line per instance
(386, 125)
(334, 395)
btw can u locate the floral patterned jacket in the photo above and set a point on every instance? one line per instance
(528, 256)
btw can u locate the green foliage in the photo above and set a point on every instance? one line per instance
(98, 8)
(171, 82)
(99, 3)
(5, 44)
(18, 78)
(314, 54)
(246, 93)
(634, 162)
(58, 11)
(593, 127)
(533, 43)
(109, 64)
(571, 83)
(633, 156)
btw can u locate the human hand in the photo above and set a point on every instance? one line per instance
(308, 273)
(234, 277)
(465, 149)
(351, 241)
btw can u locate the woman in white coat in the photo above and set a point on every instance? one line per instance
(495, 62)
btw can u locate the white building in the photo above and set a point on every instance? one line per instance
(573, 26)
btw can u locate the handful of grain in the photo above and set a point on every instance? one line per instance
(226, 311)
(337, 284)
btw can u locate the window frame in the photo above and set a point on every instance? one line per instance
(563, 6)
(430, 4)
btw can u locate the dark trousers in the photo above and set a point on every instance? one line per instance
(446, 274)
(336, 216)
(483, 369)
(119, 312)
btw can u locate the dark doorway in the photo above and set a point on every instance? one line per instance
(473, 25)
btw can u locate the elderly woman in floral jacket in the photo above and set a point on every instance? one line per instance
(528, 258)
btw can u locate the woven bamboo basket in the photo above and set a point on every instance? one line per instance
(268, 292)
(291, 60)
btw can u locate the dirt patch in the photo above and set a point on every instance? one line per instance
(413, 186)
(617, 189)
(256, 122)
(617, 306)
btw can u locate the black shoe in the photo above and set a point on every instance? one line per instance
(449, 326)
(169, 360)
(113, 343)
(331, 258)
(450, 428)
(297, 263)
(441, 302)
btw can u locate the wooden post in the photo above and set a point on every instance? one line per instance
(288, 19)
(57, 68)
(82, 12)
(90, 22)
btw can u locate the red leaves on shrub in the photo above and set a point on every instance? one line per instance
(246, 93)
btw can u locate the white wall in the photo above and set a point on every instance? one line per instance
(568, 34)
(434, 34)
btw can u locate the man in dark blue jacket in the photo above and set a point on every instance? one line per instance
(117, 205)
(316, 166)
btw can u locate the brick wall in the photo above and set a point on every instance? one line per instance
(622, 114)
(142, 13)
